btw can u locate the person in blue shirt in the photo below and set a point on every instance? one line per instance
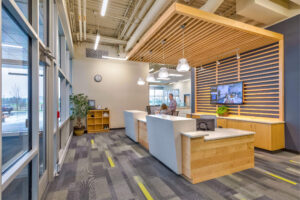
(172, 104)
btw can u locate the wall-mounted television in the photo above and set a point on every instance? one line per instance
(228, 94)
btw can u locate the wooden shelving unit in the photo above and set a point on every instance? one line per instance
(98, 121)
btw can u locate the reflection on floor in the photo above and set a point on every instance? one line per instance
(111, 166)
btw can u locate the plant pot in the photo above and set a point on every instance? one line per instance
(79, 131)
(224, 114)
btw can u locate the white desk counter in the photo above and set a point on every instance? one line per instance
(219, 133)
(164, 138)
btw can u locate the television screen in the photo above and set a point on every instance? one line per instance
(227, 94)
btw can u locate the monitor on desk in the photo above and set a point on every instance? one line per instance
(204, 124)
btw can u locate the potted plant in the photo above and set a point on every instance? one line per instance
(80, 107)
(223, 111)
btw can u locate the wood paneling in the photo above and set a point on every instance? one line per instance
(204, 160)
(259, 69)
(207, 37)
(143, 134)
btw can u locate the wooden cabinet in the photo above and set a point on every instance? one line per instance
(98, 121)
(222, 123)
(267, 136)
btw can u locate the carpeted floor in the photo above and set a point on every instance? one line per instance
(110, 166)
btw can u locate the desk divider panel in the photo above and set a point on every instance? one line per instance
(261, 70)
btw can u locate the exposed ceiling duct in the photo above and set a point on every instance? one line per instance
(79, 19)
(140, 16)
(84, 19)
(128, 23)
(211, 5)
(158, 7)
(264, 11)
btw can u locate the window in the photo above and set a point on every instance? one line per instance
(15, 91)
(42, 119)
(19, 187)
(160, 95)
(43, 16)
(25, 6)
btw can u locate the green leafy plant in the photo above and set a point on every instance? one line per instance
(223, 110)
(80, 107)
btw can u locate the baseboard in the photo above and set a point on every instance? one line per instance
(117, 128)
(62, 159)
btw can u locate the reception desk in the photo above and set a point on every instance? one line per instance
(131, 123)
(196, 155)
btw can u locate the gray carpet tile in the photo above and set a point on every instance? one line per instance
(87, 174)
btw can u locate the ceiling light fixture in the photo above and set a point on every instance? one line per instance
(150, 78)
(114, 58)
(183, 65)
(97, 42)
(141, 81)
(103, 8)
(175, 75)
(163, 72)
(238, 56)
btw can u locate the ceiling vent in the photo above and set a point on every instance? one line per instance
(91, 53)
(264, 11)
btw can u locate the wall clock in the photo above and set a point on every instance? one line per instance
(98, 78)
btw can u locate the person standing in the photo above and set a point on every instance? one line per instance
(173, 104)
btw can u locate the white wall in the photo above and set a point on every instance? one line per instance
(118, 90)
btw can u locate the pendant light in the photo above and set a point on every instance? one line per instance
(183, 65)
(150, 77)
(141, 81)
(238, 55)
(163, 71)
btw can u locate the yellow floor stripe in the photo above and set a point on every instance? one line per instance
(281, 178)
(294, 162)
(110, 160)
(143, 188)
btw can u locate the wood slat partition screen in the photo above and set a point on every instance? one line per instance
(261, 72)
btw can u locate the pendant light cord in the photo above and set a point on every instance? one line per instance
(183, 26)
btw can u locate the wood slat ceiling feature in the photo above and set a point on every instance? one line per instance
(208, 37)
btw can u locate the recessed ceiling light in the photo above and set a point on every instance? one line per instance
(176, 75)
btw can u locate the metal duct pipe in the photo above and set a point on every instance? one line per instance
(79, 19)
(151, 16)
(84, 19)
(136, 8)
(140, 16)
(211, 5)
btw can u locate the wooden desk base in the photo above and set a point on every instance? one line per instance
(205, 160)
(143, 134)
